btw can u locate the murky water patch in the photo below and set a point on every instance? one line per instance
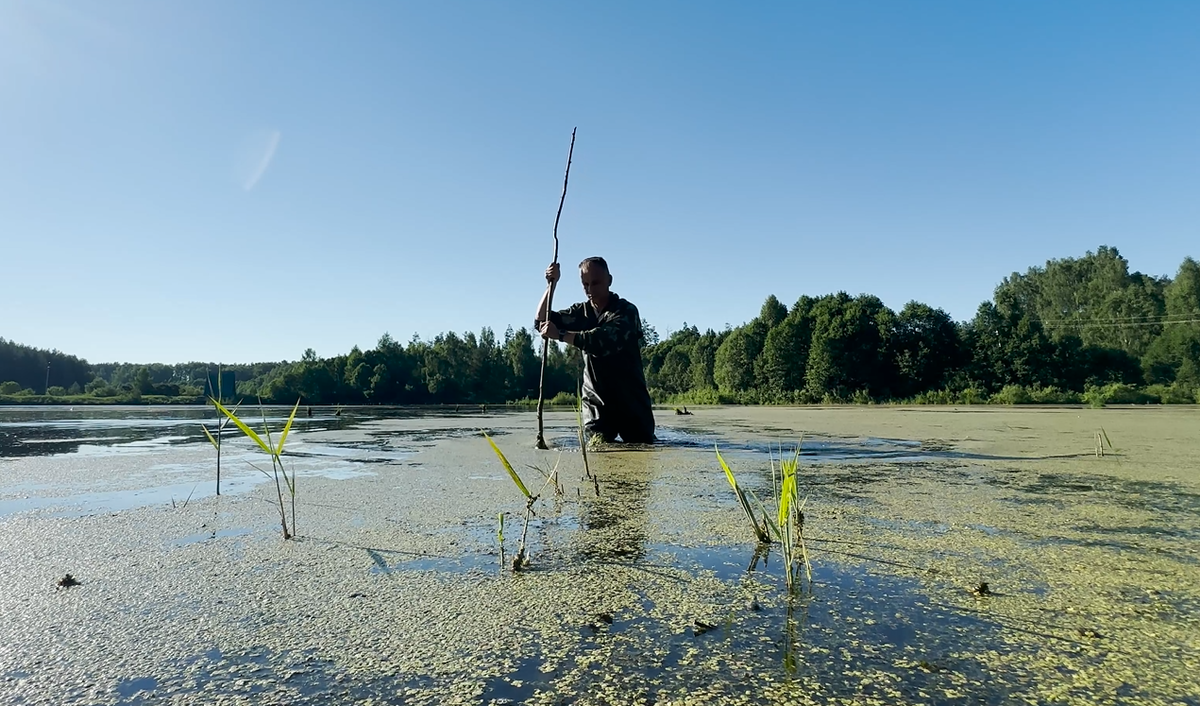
(852, 622)
(266, 675)
(90, 503)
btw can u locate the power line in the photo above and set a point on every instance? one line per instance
(1160, 318)
(1111, 324)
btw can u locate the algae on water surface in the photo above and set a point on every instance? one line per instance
(637, 594)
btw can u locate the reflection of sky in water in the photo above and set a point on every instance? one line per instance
(813, 449)
(166, 436)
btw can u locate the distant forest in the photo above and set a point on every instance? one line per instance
(1075, 330)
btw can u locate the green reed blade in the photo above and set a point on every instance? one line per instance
(508, 467)
(242, 425)
(210, 436)
(287, 427)
(760, 531)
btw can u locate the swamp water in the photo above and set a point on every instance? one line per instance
(647, 591)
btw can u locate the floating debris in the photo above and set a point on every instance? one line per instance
(699, 627)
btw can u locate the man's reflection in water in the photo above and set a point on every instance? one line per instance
(614, 523)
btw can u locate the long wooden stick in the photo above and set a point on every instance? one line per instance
(541, 437)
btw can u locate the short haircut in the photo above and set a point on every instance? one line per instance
(594, 261)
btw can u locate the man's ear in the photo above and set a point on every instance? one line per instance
(610, 280)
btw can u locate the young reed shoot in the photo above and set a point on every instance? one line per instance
(761, 530)
(789, 521)
(583, 441)
(521, 560)
(275, 452)
(787, 525)
(1103, 441)
(500, 535)
(222, 422)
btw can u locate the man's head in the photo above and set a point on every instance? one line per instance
(593, 273)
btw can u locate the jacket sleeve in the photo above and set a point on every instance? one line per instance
(616, 332)
(569, 319)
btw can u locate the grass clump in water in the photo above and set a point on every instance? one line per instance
(787, 525)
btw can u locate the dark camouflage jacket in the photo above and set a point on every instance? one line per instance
(615, 399)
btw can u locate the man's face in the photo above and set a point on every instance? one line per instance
(596, 281)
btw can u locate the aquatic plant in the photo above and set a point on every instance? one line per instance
(551, 476)
(787, 526)
(761, 530)
(1102, 440)
(789, 522)
(583, 442)
(500, 535)
(278, 470)
(521, 560)
(216, 442)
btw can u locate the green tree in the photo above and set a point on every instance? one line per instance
(1009, 347)
(522, 364)
(1175, 355)
(1094, 298)
(676, 374)
(785, 351)
(849, 351)
(927, 347)
(773, 312)
(704, 359)
(142, 381)
(733, 366)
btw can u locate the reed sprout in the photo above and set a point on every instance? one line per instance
(1102, 441)
(787, 525)
(222, 422)
(761, 530)
(521, 560)
(500, 535)
(275, 452)
(583, 442)
(789, 521)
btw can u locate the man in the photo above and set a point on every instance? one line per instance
(608, 330)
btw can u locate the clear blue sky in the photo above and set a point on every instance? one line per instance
(238, 181)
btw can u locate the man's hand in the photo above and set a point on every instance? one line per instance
(549, 330)
(552, 273)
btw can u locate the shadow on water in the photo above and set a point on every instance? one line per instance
(266, 676)
(387, 562)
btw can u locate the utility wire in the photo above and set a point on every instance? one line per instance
(1109, 324)
(1131, 317)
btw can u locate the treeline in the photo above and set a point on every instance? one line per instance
(27, 368)
(1075, 330)
(450, 369)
